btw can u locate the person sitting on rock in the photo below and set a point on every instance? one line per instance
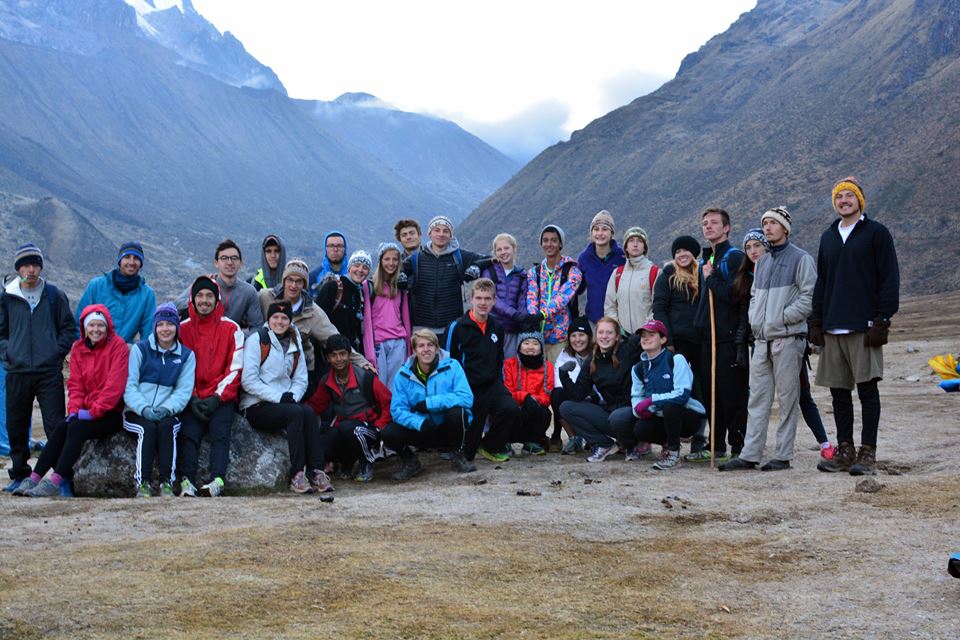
(98, 377)
(160, 379)
(430, 407)
(274, 382)
(217, 344)
(361, 408)
(529, 378)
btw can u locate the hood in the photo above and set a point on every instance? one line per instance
(272, 278)
(325, 265)
(194, 315)
(13, 287)
(453, 246)
(90, 308)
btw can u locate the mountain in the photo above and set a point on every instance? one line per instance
(792, 97)
(104, 107)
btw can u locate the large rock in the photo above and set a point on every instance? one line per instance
(259, 462)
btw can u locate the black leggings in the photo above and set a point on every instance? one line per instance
(497, 403)
(533, 422)
(557, 397)
(449, 435)
(65, 444)
(677, 422)
(869, 408)
(300, 422)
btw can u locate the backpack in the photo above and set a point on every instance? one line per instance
(724, 266)
(574, 305)
(654, 271)
(414, 260)
(265, 345)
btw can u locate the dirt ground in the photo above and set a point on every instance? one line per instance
(605, 550)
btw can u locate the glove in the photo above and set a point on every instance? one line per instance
(428, 425)
(402, 280)
(197, 410)
(877, 335)
(950, 386)
(151, 414)
(568, 366)
(472, 272)
(209, 405)
(84, 415)
(815, 332)
(163, 412)
(530, 319)
(421, 407)
(642, 408)
(287, 398)
(743, 356)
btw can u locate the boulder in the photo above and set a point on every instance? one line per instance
(259, 462)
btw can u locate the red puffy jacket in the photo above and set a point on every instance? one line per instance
(521, 381)
(98, 373)
(217, 343)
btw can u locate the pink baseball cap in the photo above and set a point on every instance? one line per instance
(655, 326)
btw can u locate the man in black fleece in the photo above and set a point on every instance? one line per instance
(476, 341)
(856, 295)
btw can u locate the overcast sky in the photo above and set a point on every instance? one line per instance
(521, 74)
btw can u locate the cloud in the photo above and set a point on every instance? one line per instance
(627, 86)
(524, 134)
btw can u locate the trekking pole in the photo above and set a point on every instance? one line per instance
(713, 381)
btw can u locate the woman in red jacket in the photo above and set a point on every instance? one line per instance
(529, 378)
(98, 376)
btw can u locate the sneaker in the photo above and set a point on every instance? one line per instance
(489, 455)
(866, 464)
(843, 459)
(556, 445)
(827, 451)
(212, 489)
(446, 455)
(776, 465)
(637, 452)
(461, 465)
(25, 485)
(703, 455)
(599, 454)
(533, 449)
(320, 482)
(346, 471)
(365, 471)
(144, 490)
(299, 484)
(737, 464)
(409, 469)
(187, 490)
(66, 488)
(14, 484)
(166, 490)
(44, 489)
(668, 459)
(574, 445)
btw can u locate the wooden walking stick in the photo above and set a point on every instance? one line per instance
(713, 381)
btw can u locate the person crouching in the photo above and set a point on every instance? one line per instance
(529, 378)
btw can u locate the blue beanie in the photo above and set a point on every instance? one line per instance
(130, 248)
(166, 312)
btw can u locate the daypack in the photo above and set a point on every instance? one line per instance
(265, 345)
(654, 270)
(574, 305)
(724, 266)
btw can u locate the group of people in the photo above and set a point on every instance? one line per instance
(368, 356)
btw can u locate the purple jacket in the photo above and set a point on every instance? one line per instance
(596, 274)
(511, 295)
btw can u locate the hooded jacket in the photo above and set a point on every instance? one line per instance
(267, 382)
(376, 409)
(521, 382)
(346, 313)
(438, 283)
(630, 304)
(98, 372)
(325, 269)
(552, 297)
(132, 312)
(265, 277)
(596, 273)
(239, 300)
(446, 388)
(159, 379)
(35, 341)
(217, 344)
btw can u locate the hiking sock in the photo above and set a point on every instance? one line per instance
(35, 478)
(55, 478)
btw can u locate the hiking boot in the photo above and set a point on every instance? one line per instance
(703, 455)
(827, 451)
(600, 453)
(775, 465)
(843, 459)
(365, 471)
(44, 489)
(25, 485)
(492, 456)
(533, 449)
(737, 464)
(668, 459)
(555, 445)
(166, 490)
(187, 490)
(66, 488)
(299, 484)
(866, 464)
(212, 489)
(143, 491)
(409, 469)
(574, 445)
(320, 482)
(460, 464)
